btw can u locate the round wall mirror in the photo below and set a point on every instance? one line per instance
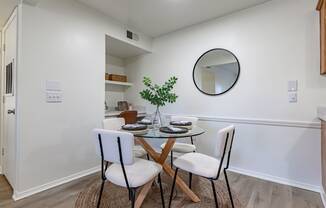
(216, 71)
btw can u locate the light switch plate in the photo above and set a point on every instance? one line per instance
(52, 85)
(54, 97)
(293, 86)
(293, 97)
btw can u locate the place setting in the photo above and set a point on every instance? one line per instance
(143, 126)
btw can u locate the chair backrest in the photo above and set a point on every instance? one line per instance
(113, 123)
(114, 146)
(193, 120)
(129, 116)
(224, 145)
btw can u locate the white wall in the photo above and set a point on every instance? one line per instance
(115, 61)
(274, 42)
(114, 93)
(65, 41)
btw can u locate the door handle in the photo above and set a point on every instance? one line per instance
(11, 111)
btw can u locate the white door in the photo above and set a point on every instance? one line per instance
(9, 117)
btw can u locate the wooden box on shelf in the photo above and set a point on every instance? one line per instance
(118, 78)
(321, 7)
(107, 77)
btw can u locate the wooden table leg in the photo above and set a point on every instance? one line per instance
(166, 150)
(161, 158)
(142, 194)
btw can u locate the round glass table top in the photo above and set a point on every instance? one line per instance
(157, 134)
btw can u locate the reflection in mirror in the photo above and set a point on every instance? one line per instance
(216, 72)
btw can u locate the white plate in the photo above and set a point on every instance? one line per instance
(137, 131)
(187, 127)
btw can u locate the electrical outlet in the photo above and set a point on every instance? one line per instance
(293, 97)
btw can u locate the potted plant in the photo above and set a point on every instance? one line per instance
(159, 95)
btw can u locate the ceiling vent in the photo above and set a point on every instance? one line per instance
(132, 36)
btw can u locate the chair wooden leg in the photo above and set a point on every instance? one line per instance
(190, 180)
(100, 196)
(214, 193)
(172, 190)
(229, 190)
(161, 189)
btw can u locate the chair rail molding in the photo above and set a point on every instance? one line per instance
(30, 2)
(258, 121)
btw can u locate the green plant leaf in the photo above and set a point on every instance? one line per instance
(159, 95)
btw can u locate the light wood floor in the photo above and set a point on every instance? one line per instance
(255, 193)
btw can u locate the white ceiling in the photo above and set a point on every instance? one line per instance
(158, 17)
(6, 8)
(120, 49)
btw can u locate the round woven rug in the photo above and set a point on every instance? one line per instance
(116, 197)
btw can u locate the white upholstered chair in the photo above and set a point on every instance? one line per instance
(115, 124)
(183, 147)
(206, 166)
(126, 170)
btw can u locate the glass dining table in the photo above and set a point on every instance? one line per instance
(155, 133)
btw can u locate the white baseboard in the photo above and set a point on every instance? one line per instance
(0, 170)
(276, 179)
(20, 195)
(323, 196)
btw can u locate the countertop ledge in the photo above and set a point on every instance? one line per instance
(321, 112)
(116, 113)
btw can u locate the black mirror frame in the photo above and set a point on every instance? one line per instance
(193, 72)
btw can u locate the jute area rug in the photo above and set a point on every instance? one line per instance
(116, 197)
